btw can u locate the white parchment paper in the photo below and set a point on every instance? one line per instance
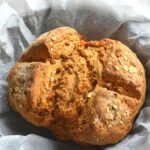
(21, 21)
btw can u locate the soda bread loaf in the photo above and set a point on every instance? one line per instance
(85, 91)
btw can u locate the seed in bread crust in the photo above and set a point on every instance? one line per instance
(120, 122)
(51, 49)
(116, 67)
(134, 54)
(53, 38)
(72, 45)
(109, 125)
(120, 61)
(115, 107)
(125, 58)
(125, 68)
(112, 55)
(52, 79)
(132, 69)
(90, 94)
(109, 63)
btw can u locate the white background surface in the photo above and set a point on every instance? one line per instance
(21, 21)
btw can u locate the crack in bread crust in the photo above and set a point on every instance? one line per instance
(88, 92)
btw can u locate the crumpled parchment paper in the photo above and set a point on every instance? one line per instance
(21, 21)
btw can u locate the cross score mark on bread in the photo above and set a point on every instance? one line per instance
(85, 91)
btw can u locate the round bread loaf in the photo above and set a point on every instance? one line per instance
(85, 91)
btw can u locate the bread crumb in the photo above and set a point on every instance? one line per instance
(16, 89)
(120, 89)
(110, 116)
(127, 113)
(108, 84)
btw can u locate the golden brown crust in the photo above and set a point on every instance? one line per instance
(88, 92)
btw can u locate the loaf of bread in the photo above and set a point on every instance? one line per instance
(85, 91)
